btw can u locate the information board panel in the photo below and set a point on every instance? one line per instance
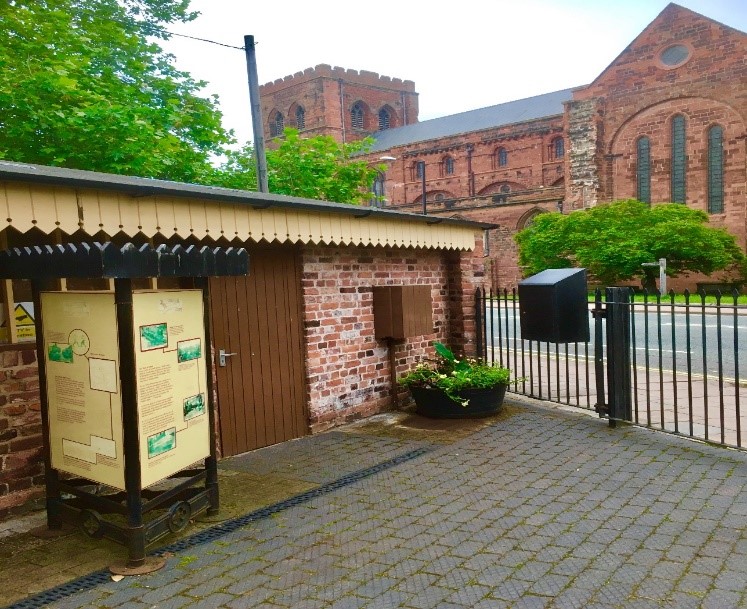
(84, 395)
(171, 378)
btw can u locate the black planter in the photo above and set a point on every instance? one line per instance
(436, 404)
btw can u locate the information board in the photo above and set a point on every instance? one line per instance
(171, 379)
(83, 389)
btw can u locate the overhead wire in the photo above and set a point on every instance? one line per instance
(160, 29)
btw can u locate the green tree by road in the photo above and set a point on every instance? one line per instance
(613, 240)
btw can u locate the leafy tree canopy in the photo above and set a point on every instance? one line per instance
(317, 167)
(613, 240)
(84, 84)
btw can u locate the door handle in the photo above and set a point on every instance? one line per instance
(222, 355)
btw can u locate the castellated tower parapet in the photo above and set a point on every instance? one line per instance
(346, 104)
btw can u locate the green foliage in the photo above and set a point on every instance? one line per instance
(84, 84)
(239, 170)
(320, 168)
(453, 375)
(313, 168)
(613, 240)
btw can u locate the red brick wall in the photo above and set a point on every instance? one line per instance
(21, 459)
(347, 367)
(638, 95)
(700, 114)
(530, 164)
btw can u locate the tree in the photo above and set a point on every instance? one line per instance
(613, 240)
(84, 84)
(315, 168)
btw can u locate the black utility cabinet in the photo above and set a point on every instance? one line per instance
(554, 306)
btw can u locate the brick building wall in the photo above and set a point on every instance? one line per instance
(21, 459)
(640, 93)
(348, 369)
(348, 374)
(637, 95)
(478, 166)
(327, 96)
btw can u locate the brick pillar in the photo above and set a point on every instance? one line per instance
(21, 456)
(465, 273)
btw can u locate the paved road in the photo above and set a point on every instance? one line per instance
(662, 340)
(539, 508)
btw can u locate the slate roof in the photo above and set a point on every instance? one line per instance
(531, 108)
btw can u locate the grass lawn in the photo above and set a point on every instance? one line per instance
(694, 299)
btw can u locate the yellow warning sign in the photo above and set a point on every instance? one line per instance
(24, 318)
(24, 314)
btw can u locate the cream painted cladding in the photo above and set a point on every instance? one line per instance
(47, 208)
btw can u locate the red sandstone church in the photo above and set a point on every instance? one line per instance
(666, 121)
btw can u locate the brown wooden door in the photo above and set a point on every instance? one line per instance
(261, 388)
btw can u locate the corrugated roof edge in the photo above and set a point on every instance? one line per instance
(77, 178)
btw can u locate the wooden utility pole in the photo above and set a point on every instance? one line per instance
(259, 138)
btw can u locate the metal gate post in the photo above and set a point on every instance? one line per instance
(618, 355)
(482, 349)
(599, 313)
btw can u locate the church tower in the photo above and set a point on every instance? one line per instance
(346, 104)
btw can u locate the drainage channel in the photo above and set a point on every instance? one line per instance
(87, 582)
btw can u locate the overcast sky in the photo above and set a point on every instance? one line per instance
(461, 54)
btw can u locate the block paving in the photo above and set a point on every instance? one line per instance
(540, 507)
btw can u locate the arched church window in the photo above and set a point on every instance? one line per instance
(716, 170)
(679, 159)
(300, 118)
(277, 124)
(557, 148)
(502, 157)
(419, 169)
(448, 165)
(384, 119)
(356, 116)
(643, 169)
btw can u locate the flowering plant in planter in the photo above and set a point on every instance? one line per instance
(453, 376)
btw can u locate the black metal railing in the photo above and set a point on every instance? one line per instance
(686, 373)
(561, 373)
